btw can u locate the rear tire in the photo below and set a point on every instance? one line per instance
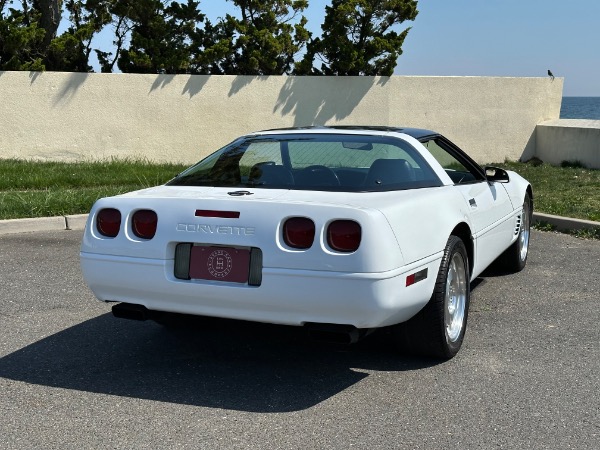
(439, 328)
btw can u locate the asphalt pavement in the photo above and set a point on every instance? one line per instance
(72, 376)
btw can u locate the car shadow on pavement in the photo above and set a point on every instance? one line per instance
(216, 363)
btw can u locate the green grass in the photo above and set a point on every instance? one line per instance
(568, 191)
(43, 189)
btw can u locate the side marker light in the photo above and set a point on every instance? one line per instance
(416, 277)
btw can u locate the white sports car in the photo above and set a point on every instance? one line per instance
(342, 230)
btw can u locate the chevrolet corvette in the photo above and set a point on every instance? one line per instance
(342, 230)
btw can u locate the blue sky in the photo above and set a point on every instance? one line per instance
(520, 38)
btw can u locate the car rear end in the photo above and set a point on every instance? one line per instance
(277, 256)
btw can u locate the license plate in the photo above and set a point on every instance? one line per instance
(220, 264)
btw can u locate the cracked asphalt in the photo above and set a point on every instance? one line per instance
(72, 376)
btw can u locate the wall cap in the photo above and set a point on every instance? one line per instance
(571, 123)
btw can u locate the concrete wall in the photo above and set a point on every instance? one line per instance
(569, 140)
(79, 116)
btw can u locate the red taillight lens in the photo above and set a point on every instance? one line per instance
(344, 235)
(108, 222)
(299, 232)
(143, 223)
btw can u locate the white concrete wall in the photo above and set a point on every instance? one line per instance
(79, 116)
(569, 140)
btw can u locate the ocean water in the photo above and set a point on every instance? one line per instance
(580, 108)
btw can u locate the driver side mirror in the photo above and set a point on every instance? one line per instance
(496, 174)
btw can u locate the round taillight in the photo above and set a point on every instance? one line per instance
(344, 235)
(299, 232)
(108, 222)
(143, 223)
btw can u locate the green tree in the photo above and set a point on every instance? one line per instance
(70, 51)
(21, 37)
(114, 13)
(49, 18)
(265, 38)
(161, 36)
(212, 49)
(358, 38)
(29, 41)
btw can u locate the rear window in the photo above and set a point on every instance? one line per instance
(335, 162)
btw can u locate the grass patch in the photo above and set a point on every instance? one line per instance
(570, 191)
(44, 189)
(587, 233)
(543, 226)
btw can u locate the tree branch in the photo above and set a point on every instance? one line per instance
(49, 18)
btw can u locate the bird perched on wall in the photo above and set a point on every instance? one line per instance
(550, 74)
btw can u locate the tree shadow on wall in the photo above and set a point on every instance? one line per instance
(220, 364)
(33, 76)
(70, 87)
(195, 84)
(161, 81)
(241, 81)
(314, 100)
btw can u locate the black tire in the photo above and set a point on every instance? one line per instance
(428, 333)
(514, 257)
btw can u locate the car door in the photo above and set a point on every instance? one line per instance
(488, 204)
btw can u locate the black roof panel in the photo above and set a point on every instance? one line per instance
(417, 133)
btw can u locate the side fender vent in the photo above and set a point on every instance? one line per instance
(518, 224)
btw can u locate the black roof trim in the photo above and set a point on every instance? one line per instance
(416, 133)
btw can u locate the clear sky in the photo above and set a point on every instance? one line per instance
(514, 38)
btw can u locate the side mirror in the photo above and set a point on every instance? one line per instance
(496, 174)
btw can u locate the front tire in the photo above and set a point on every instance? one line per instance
(514, 257)
(439, 328)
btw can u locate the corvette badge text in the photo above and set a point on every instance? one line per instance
(215, 229)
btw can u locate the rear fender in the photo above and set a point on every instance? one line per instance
(423, 221)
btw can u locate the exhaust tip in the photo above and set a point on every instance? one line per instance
(130, 311)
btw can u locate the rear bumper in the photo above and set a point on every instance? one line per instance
(291, 297)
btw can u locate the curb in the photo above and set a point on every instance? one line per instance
(78, 221)
(72, 222)
(565, 223)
